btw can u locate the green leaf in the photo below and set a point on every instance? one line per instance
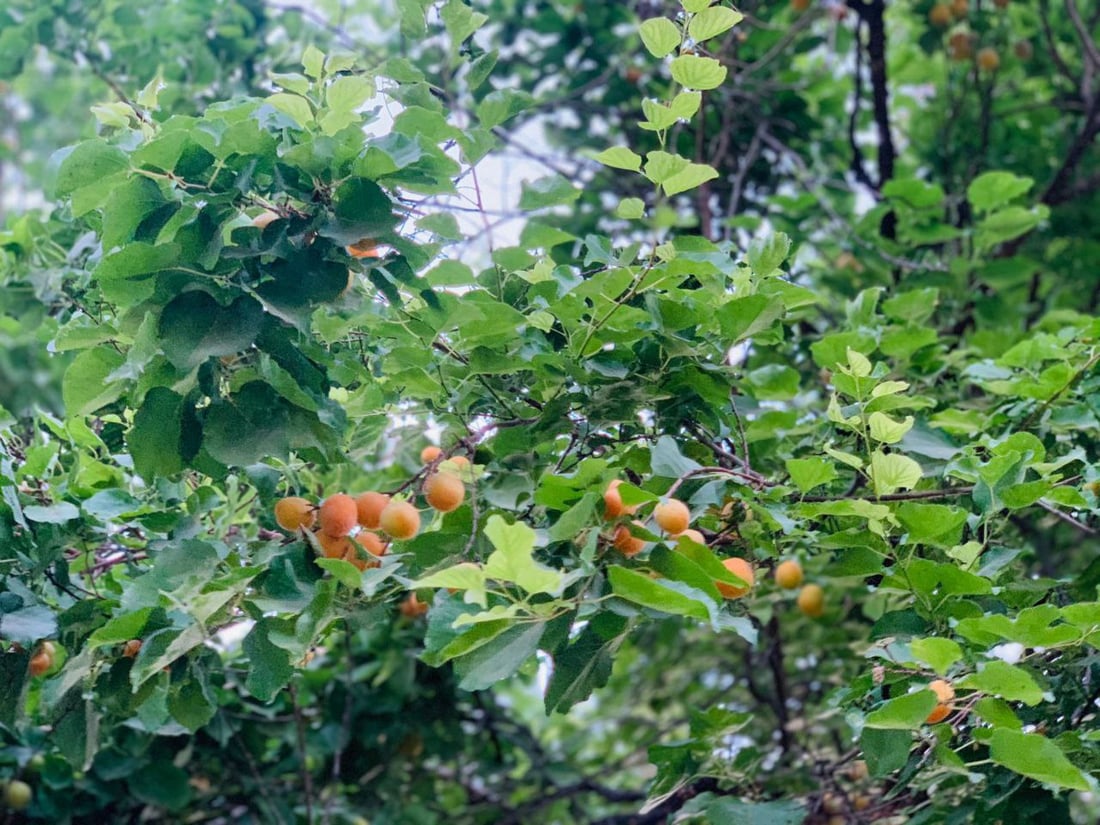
(513, 559)
(57, 513)
(313, 61)
(501, 105)
(1036, 757)
(640, 589)
(122, 628)
(939, 654)
(940, 525)
(194, 327)
(1007, 681)
(712, 21)
(88, 383)
(461, 21)
(87, 164)
(886, 429)
(155, 440)
(552, 190)
(745, 317)
(700, 73)
(660, 166)
(890, 473)
(767, 253)
(660, 35)
(465, 576)
(585, 664)
(269, 667)
(693, 6)
(162, 784)
(125, 276)
(745, 811)
(500, 657)
(808, 473)
(691, 176)
(993, 189)
(620, 157)
(885, 751)
(28, 625)
(906, 712)
(630, 209)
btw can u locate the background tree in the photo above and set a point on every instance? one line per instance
(820, 273)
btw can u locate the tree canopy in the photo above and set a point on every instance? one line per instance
(742, 467)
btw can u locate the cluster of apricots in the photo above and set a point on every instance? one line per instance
(673, 518)
(358, 529)
(960, 45)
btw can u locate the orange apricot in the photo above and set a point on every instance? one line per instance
(338, 515)
(132, 648)
(626, 542)
(672, 516)
(788, 574)
(811, 601)
(400, 520)
(444, 492)
(293, 512)
(430, 454)
(613, 506)
(743, 570)
(369, 507)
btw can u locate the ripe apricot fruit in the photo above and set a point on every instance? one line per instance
(988, 59)
(943, 690)
(788, 574)
(626, 542)
(694, 535)
(743, 570)
(960, 8)
(372, 543)
(293, 512)
(132, 648)
(811, 601)
(444, 491)
(338, 515)
(369, 507)
(938, 714)
(412, 607)
(959, 46)
(940, 15)
(430, 454)
(672, 516)
(800, 5)
(364, 248)
(1024, 51)
(613, 506)
(40, 663)
(332, 547)
(357, 556)
(17, 794)
(460, 461)
(400, 519)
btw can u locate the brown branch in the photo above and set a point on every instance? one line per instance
(300, 730)
(912, 495)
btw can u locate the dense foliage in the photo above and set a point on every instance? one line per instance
(823, 273)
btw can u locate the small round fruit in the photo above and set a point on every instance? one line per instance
(293, 512)
(857, 771)
(833, 803)
(40, 663)
(132, 648)
(364, 248)
(800, 5)
(1024, 51)
(694, 535)
(943, 690)
(444, 492)
(459, 461)
(811, 601)
(400, 520)
(339, 515)
(47, 647)
(265, 218)
(672, 516)
(369, 507)
(17, 794)
(988, 59)
(959, 46)
(938, 714)
(371, 542)
(357, 559)
(613, 506)
(626, 542)
(743, 570)
(788, 574)
(430, 454)
(861, 802)
(333, 547)
(960, 8)
(412, 607)
(1001, 4)
(940, 15)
